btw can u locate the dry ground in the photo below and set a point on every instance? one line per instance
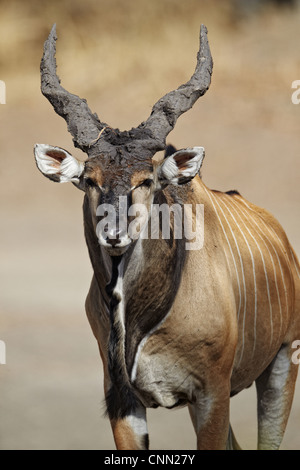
(122, 60)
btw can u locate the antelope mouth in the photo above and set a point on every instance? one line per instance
(116, 250)
(115, 247)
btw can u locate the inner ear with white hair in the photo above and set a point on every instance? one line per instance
(181, 167)
(57, 164)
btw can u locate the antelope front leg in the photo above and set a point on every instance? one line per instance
(210, 416)
(131, 433)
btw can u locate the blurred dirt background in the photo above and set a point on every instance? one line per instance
(122, 56)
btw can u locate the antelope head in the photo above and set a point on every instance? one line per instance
(119, 166)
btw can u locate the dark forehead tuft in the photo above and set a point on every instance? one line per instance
(117, 172)
(120, 162)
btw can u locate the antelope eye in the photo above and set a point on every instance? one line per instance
(147, 183)
(89, 182)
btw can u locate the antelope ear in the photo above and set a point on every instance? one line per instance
(57, 164)
(182, 166)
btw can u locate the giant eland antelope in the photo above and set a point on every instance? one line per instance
(177, 326)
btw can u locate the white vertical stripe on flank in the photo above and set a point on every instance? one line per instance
(282, 250)
(234, 262)
(253, 270)
(242, 268)
(263, 261)
(249, 216)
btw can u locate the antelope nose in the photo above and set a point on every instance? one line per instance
(113, 237)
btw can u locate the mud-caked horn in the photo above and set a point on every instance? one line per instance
(94, 136)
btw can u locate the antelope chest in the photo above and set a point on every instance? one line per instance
(160, 378)
(158, 374)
